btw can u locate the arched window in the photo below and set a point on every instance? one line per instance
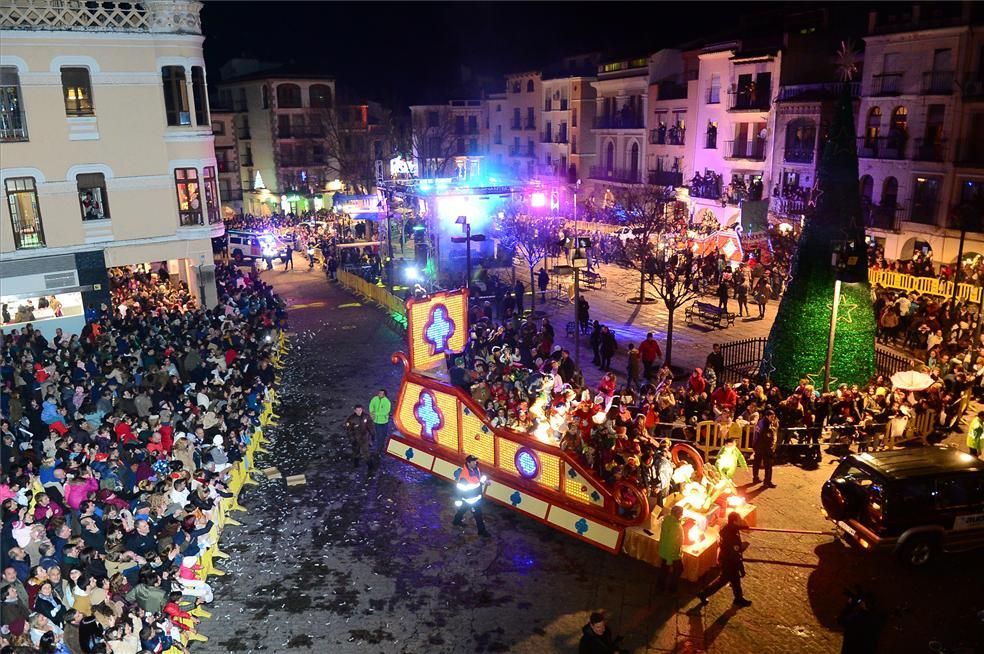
(529, 86)
(515, 86)
(890, 192)
(610, 157)
(288, 96)
(872, 127)
(867, 185)
(900, 119)
(801, 137)
(634, 162)
(320, 96)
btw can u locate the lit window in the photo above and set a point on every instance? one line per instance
(211, 195)
(25, 213)
(92, 196)
(189, 196)
(77, 90)
(175, 96)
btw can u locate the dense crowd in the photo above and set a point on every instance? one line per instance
(117, 449)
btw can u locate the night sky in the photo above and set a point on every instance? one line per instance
(402, 53)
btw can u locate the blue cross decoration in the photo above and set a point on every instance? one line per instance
(439, 329)
(409, 453)
(515, 498)
(581, 526)
(595, 496)
(428, 415)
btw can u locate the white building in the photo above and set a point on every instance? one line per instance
(673, 77)
(106, 150)
(921, 128)
(622, 97)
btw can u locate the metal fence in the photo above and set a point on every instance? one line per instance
(743, 359)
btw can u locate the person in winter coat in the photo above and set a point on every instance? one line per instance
(359, 428)
(607, 348)
(671, 550)
(597, 638)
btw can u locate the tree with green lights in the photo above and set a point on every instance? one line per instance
(797, 345)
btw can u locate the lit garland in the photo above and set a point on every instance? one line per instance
(797, 344)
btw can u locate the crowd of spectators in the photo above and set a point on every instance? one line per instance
(117, 449)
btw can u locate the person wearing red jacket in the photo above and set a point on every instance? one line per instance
(724, 397)
(471, 482)
(649, 351)
(696, 382)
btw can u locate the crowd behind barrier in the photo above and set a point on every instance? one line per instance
(124, 450)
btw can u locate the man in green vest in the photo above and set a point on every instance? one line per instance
(975, 435)
(379, 411)
(671, 550)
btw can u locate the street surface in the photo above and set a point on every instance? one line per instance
(354, 563)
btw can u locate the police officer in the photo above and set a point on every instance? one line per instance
(468, 491)
(359, 428)
(730, 551)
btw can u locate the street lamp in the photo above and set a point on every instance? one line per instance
(576, 263)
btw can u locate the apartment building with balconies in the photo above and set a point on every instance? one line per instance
(920, 128)
(621, 101)
(452, 139)
(227, 158)
(673, 76)
(284, 119)
(566, 146)
(733, 126)
(106, 150)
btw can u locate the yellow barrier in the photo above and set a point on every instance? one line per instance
(924, 285)
(710, 437)
(378, 294)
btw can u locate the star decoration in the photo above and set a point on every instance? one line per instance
(845, 312)
(816, 378)
(847, 58)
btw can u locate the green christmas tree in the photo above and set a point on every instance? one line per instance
(797, 346)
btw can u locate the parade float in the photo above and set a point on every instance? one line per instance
(439, 424)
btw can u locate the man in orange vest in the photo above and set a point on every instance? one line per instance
(471, 483)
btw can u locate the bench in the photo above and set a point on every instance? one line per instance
(572, 329)
(593, 280)
(709, 314)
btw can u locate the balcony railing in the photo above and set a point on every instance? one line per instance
(798, 154)
(922, 211)
(745, 101)
(788, 205)
(515, 124)
(530, 124)
(619, 121)
(937, 82)
(881, 147)
(822, 91)
(713, 95)
(616, 175)
(886, 84)
(751, 150)
(561, 137)
(12, 126)
(667, 136)
(546, 137)
(929, 150)
(888, 217)
(665, 178)
(971, 155)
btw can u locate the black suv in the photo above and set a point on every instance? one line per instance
(916, 501)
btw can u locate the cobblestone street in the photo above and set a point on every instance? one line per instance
(352, 562)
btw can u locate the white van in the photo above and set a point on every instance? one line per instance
(244, 244)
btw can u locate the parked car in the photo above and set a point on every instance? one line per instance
(917, 502)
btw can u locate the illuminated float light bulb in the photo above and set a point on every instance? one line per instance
(695, 534)
(736, 500)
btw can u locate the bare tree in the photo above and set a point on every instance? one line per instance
(434, 140)
(351, 139)
(673, 281)
(532, 238)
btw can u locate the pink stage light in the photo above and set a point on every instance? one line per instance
(538, 200)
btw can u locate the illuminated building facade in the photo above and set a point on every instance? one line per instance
(621, 101)
(106, 151)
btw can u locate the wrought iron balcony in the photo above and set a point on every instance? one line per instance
(753, 150)
(748, 101)
(620, 121)
(821, 91)
(886, 84)
(922, 211)
(615, 175)
(798, 154)
(937, 82)
(665, 178)
(888, 217)
(881, 147)
(929, 150)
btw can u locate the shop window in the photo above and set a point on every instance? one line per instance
(92, 196)
(77, 90)
(211, 195)
(25, 212)
(189, 196)
(175, 96)
(199, 94)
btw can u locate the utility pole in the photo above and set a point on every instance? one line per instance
(467, 240)
(577, 287)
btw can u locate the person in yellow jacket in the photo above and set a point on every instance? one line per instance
(975, 434)
(379, 411)
(730, 458)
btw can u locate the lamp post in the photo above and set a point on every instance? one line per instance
(577, 290)
(467, 240)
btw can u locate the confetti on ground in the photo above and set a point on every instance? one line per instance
(272, 473)
(296, 480)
